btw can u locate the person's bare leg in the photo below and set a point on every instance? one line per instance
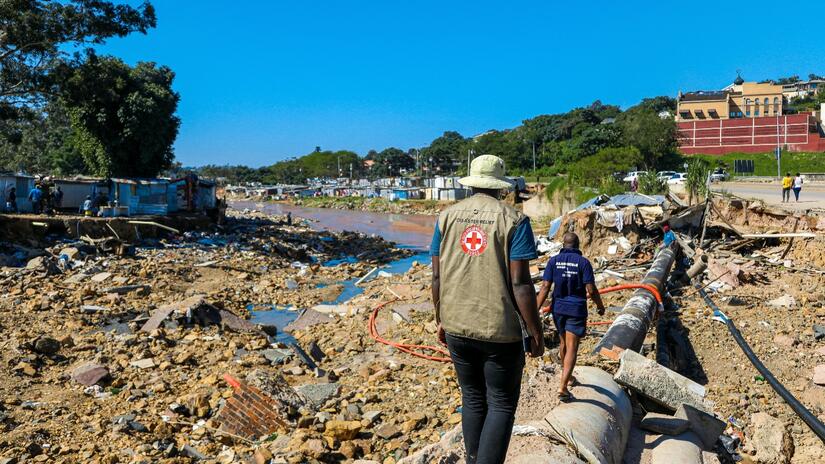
(562, 354)
(571, 352)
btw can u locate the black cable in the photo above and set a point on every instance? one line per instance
(816, 426)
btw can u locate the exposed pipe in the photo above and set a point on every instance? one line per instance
(630, 327)
(597, 423)
(815, 425)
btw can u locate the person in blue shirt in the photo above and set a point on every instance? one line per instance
(36, 196)
(570, 275)
(669, 236)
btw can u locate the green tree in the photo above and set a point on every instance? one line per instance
(390, 162)
(650, 184)
(444, 152)
(653, 135)
(35, 34)
(41, 142)
(124, 117)
(592, 170)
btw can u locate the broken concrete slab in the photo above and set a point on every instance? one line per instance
(91, 309)
(341, 310)
(164, 312)
(663, 424)
(101, 277)
(784, 301)
(819, 374)
(308, 318)
(773, 444)
(126, 289)
(144, 363)
(318, 394)
(707, 426)
(662, 385)
(316, 352)
(276, 355)
(90, 374)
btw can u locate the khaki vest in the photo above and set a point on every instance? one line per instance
(476, 299)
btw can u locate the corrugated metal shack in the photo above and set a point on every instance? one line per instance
(22, 185)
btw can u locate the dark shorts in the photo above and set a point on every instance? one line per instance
(575, 325)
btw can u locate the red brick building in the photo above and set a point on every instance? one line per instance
(795, 132)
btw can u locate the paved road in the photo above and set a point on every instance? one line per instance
(812, 195)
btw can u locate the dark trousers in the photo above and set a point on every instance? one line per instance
(490, 378)
(796, 191)
(786, 195)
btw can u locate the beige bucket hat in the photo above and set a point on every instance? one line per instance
(486, 172)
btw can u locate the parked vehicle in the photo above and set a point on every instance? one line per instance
(677, 179)
(632, 175)
(719, 175)
(665, 175)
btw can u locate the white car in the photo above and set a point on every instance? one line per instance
(665, 175)
(632, 175)
(677, 179)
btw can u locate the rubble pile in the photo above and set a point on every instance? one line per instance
(112, 358)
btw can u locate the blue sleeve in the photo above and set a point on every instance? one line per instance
(587, 273)
(523, 243)
(435, 245)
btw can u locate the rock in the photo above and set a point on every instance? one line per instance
(819, 332)
(38, 262)
(313, 448)
(89, 374)
(101, 277)
(315, 351)
(145, 363)
(784, 341)
(664, 424)
(387, 431)
(784, 301)
(71, 252)
(771, 441)
(454, 418)
(262, 456)
(704, 424)
(26, 369)
(370, 417)
(46, 345)
(318, 394)
(276, 355)
(819, 375)
(342, 430)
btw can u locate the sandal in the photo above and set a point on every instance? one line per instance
(565, 397)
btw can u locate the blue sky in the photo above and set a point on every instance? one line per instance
(261, 81)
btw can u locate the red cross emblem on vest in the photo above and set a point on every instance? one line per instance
(473, 241)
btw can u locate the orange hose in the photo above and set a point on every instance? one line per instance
(415, 350)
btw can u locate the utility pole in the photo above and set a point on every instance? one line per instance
(534, 156)
(339, 165)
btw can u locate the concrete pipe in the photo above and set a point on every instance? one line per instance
(685, 448)
(628, 330)
(699, 266)
(597, 422)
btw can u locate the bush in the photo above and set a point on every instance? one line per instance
(696, 179)
(650, 184)
(591, 170)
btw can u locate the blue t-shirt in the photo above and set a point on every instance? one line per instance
(570, 272)
(35, 195)
(522, 244)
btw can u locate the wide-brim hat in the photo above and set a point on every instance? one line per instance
(486, 172)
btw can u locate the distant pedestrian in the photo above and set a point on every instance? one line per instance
(482, 292)
(787, 183)
(87, 207)
(36, 198)
(11, 200)
(797, 185)
(289, 218)
(570, 276)
(634, 184)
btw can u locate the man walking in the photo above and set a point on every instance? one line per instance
(483, 297)
(36, 197)
(787, 183)
(571, 277)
